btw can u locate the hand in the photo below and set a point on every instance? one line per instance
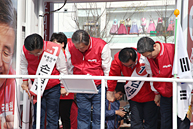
(63, 92)
(24, 86)
(110, 96)
(157, 100)
(120, 112)
(9, 122)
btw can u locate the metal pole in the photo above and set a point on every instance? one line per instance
(20, 13)
(40, 18)
(103, 104)
(175, 96)
(38, 104)
(99, 78)
(26, 107)
(26, 102)
(175, 88)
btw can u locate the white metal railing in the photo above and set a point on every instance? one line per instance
(103, 78)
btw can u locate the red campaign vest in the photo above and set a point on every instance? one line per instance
(145, 94)
(33, 62)
(89, 62)
(164, 68)
(7, 94)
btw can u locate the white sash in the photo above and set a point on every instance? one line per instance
(133, 87)
(45, 67)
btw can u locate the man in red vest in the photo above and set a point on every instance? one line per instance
(88, 55)
(32, 54)
(159, 63)
(128, 62)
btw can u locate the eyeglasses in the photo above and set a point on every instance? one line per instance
(6, 56)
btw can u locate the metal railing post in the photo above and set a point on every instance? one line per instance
(175, 97)
(38, 113)
(103, 78)
(102, 103)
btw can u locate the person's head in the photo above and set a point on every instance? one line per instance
(34, 44)
(128, 57)
(81, 40)
(59, 38)
(147, 47)
(119, 90)
(7, 36)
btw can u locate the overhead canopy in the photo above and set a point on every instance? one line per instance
(79, 1)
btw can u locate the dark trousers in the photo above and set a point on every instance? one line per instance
(166, 112)
(49, 108)
(64, 113)
(85, 102)
(166, 115)
(143, 115)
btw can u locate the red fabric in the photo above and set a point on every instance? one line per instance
(164, 68)
(68, 39)
(73, 116)
(145, 94)
(128, 29)
(33, 62)
(7, 95)
(122, 29)
(89, 62)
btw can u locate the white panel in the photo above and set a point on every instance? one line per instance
(185, 20)
(63, 21)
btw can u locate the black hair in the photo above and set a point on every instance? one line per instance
(145, 44)
(60, 38)
(120, 87)
(127, 54)
(53, 37)
(33, 41)
(81, 36)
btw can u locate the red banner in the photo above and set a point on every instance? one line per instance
(46, 21)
